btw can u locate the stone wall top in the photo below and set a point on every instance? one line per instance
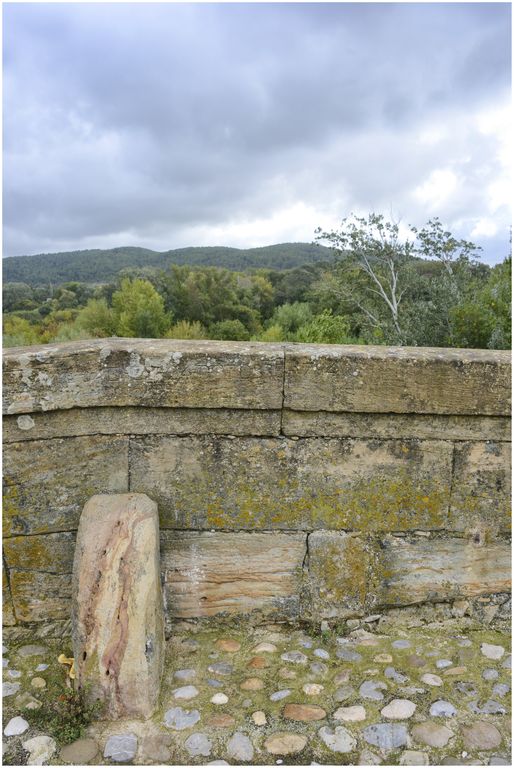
(213, 374)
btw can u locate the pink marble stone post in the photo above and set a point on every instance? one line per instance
(118, 622)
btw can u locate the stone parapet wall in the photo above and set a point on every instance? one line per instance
(293, 481)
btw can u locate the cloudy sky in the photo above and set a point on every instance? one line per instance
(167, 125)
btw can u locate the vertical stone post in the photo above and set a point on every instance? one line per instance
(118, 622)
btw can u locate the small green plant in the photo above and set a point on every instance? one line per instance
(67, 716)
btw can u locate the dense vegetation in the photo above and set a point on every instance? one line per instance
(375, 288)
(99, 266)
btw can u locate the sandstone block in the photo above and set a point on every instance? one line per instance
(140, 421)
(118, 633)
(397, 380)
(481, 491)
(143, 372)
(343, 577)
(394, 425)
(271, 483)
(8, 617)
(40, 596)
(420, 571)
(47, 482)
(349, 575)
(51, 552)
(210, 573)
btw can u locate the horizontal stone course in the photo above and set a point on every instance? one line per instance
(261, 483)
(353, 574)
(209, 573)
(134, 420)
(388, 425)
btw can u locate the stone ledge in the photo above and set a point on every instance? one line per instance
(207, 374)
(397, 380)
(143, 372)
(133, 420)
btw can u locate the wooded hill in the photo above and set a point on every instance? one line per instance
(102, 265)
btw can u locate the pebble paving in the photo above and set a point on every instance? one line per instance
(273, 695)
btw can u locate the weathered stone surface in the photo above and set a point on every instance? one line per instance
(80, 752)
(350, 714)
(285, 743)
(143, 421)
(337, 740)
(179, 719)
(386, 735)
(397, 380)
(40, 749)
(240, 748)
(40, 596)
(425, 570)
(118, 633)
(432, 734)
(145, 372)
(51, 553)
(122, 748)
(494, 652)
(398, 709)
(209, 573)
(305, 713)
(251, 483)
(16, 726)
(481, 735)
(47, 482)
(398, 426)
(343, 575)
(8, 617)
(481, 491)
(198, 744)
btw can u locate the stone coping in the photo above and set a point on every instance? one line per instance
(255, 375)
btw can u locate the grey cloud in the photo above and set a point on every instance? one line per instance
(151, 119)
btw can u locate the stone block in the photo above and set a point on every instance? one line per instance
(47, 482)
(442, 569)
(143, 372)
(118, 621)
(51, 552)
(397, 380)
(397, 425)
(271, 483)
(140, 421)
(8, 617)
(481, 490)
(349, 575)
(212, 573)
(342, 577)
(39, 596)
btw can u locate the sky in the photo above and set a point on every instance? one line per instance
(172, 125)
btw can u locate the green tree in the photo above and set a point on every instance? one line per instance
(139, 310)
(326, 329)
(97, 319)
(230, 330)
(186, 330)
(290, 317)
(18, 332)
(379, 267)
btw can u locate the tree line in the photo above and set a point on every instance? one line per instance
(379, 286)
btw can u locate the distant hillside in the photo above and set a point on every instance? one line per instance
(98, 266)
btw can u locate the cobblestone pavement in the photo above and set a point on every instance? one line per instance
(278, 695)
